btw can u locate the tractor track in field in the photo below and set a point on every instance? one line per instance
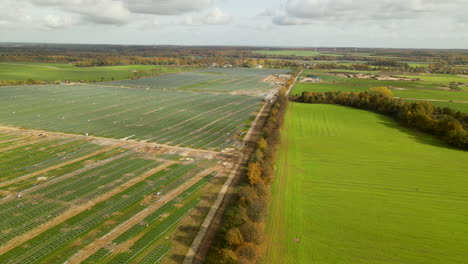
(109, 237)
(71, 212)
(275, 203)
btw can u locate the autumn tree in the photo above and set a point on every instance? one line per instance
(233, 237)
(227, 256)
(262, 144)
(254, 172)
(383, 91)
(252, 232)
(249, 251)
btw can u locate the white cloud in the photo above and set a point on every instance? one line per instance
(213, 17)
(289, 21)
(216, 17)
(151, 25)
(267, 12)
(55, 22)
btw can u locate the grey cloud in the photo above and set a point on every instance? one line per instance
(166, 7)
(119, 12)
(93, 11)
(366, 10)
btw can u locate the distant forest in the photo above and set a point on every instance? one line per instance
(434, 61)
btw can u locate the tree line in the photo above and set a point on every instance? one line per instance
(448, 125)
(241, 236)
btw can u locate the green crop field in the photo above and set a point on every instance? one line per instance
(15, 71)
(354, 187)
(202, 120)
(409, 93)
(221, 80)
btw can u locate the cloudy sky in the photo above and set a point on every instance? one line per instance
(305, 23)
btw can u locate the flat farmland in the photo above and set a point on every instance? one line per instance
(354, 187)
(22, 71)
(290, 52)
(109, 174)
(220, 80)
(403, 93)
(71, 199)
(200, 120)
(429, 87)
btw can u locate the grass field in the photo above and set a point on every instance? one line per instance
(354, 187)
(429, 88)
(462, 107)
(16, 71)
(410, 93)
(201, 120)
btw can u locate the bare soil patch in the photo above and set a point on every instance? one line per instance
(380, 77)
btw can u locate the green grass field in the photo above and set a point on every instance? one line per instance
(462, 107)
(354, 187)
(427, 89)
(15, 71)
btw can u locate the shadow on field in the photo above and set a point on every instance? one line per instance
(418, 136)
(178, 258)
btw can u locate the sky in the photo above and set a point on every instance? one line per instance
(283, 23)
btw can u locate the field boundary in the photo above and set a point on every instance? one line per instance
(203, 239)
(112, 141)
(202, 242)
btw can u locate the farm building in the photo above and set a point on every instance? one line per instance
(312, 79)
